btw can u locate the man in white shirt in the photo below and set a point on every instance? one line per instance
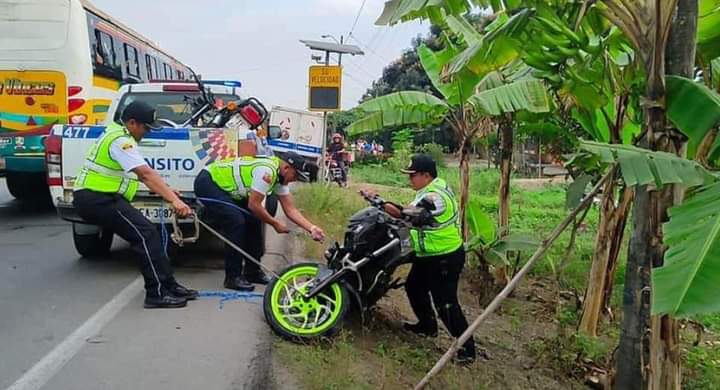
(233, 191)
(108, 182)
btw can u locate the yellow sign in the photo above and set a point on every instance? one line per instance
(326, 76)
(325, 86)
(32, 100)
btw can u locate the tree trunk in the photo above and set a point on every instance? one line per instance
(604, 263)
(464, 183)
(506, 152)
(665, 358)
(649, 353)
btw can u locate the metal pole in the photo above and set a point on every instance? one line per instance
(324, 135)
(340, 54)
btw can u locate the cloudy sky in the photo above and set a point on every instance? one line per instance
(256, 41)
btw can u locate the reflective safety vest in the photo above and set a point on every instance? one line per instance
(235, 176)
(101, 173)
(444, 235)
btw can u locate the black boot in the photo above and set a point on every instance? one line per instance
(183, 292)
(238, 283)
(258, 278)
(166, 301)
(466, 354)
(421, 329)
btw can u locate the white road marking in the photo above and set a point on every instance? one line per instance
(53, 362)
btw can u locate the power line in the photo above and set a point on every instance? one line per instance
(368, 48)
(357, 18)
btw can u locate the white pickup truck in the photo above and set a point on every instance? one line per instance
(177, 153)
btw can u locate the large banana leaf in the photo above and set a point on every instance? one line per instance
(480, 224)
(460, 88)
(406, 100)
(379, 120)
(498, 47)
(530, 95)
(403, 10)
(693, 108)
(689, 281)
(643, 167)
(708, 35)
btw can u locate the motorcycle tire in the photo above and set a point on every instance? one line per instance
(296, 319)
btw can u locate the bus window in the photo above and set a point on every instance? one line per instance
(104, 56)
(168, 72)
(131, 58)
(148, 66)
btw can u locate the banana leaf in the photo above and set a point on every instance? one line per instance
(693, 108)
(480, 224)
(688, 282)
(530, 95)
(379, 120)
(708, 34)
(460, 88)
(396, 11)
(646, 167)
(498, 47)
(406, 100)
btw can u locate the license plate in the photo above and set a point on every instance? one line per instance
(155, 212)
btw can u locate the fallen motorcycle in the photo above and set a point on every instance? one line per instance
(309, 300)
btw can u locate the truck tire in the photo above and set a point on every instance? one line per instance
(91, 241)
(26, 186)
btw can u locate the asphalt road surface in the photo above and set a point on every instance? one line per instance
(73, 323)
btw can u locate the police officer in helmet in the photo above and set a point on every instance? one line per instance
(439, 256)
(109, 181)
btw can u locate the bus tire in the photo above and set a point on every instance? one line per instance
(91, 241)
(25, 186)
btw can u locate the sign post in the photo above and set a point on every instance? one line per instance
(325, 84)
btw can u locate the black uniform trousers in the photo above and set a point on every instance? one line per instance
(113, 212)
(242, 228)
(438, 276)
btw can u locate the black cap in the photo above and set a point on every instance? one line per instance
(422, 163)
(304, 168)
(141, 112)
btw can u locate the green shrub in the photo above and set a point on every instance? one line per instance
(436, 151)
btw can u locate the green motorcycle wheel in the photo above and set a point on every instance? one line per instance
(297, 319)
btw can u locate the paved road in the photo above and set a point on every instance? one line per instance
(72, 323)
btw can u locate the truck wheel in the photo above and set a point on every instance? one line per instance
(24, 186)
(271, 204)
(91, 241)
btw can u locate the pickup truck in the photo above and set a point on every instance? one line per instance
(177, 153)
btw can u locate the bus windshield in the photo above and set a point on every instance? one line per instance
(176, 107)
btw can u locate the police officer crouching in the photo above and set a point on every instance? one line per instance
(439, 256)
(108, 182)
(232, 192)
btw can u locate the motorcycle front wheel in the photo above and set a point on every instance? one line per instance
(297, 319)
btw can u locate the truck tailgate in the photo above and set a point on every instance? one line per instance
(177, 155)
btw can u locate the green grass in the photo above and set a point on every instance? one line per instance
(533, 212)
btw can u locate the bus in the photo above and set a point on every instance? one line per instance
(62, 62)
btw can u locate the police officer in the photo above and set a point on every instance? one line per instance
(108, 182)
(233, 191)
(439, 256)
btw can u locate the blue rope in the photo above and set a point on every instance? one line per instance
(227, 296)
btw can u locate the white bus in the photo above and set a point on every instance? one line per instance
(62, 61)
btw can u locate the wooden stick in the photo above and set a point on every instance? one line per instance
(539, 253)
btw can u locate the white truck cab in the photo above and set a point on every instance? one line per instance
(178, 153)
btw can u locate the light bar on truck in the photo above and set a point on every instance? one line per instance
(225, 83)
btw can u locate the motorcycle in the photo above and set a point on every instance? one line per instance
(334, 173)
(310, 300)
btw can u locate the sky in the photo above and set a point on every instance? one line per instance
(256, 41)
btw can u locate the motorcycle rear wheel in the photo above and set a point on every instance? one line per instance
(297, 319)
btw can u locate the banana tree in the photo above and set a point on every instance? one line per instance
(466, 117)
(470, 99)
